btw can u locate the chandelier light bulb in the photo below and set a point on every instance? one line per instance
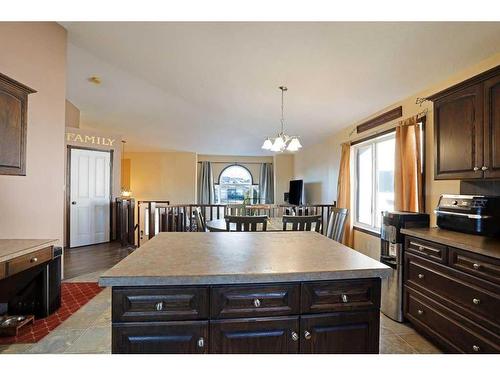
(267, 144)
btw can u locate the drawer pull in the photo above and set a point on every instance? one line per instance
(307, 335)
(420, 275)
(420, 312)
(476, 266)
(295, 336)
(484, 168)
(159, 306)
(34, 260)
(476, 169)
(344, 297)
(201, 342)
(256, 302)
(421, 248)
(476, 301)
(476, 348)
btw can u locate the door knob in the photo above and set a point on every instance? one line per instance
(484, 168)
(476, 169)
(73, 203)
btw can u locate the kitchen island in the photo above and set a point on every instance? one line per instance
(280, 292)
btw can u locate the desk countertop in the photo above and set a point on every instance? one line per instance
(12, 248)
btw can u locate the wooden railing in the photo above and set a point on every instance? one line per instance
(125, 221)
(160, 216)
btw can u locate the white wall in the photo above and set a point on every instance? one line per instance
(35, 54)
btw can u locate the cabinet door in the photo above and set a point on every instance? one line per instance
(255, 336)
(458, 134)
(340, 333)
(160, 338)
(492, 127)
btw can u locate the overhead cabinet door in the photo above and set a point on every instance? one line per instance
(492, 128)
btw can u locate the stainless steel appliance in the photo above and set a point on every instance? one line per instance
(391, 254)
(474, 214)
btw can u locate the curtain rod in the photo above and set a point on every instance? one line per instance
(235, 163)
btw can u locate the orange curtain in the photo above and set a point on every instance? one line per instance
(408, 167)
(344, 191)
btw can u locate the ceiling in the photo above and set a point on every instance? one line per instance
(212, 87)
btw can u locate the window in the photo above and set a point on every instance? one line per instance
(236, 186)
(373, 180)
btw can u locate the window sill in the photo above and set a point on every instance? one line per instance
(371, 232)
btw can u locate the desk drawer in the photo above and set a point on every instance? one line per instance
(159, 304)
(345, 295)
(255, 300)
(475, 264)
(426, 249)
(24, 262)
(448, 328)
(437, 279)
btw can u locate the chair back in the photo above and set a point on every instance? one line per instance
(235, 210)
(200, 221)
(336, 223)
(246, 223)
(302, 223)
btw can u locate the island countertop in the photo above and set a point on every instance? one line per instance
(13, 248)
(240, 257)
(477, 244)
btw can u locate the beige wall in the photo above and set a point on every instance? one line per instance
(163, 176)
(32, 205)
(72, 119)
(318, 164)
(283, 173)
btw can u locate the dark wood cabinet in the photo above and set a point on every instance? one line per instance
(454, 300)
(466, 129)
(336, 316)
(346, 333)
(277, 335)
(13, 125)
(160, 338)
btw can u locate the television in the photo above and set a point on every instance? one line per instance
(295, 192)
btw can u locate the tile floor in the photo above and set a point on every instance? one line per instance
(89, 331)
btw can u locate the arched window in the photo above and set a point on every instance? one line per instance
(236, 186)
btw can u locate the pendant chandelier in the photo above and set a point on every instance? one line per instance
(282, 141)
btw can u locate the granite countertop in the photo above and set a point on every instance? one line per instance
(12, 248)
(477, 244)
(240, 257)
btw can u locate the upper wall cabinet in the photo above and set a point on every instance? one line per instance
(13, 120)
(467, 129)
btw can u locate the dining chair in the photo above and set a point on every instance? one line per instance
(302, 223)
(200, 220)
(246, 223)
(235, 210)
(336, 223)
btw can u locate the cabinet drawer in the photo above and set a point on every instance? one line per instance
(426, 249)
(475, 264)
(447, 328)
(278, 335)
(423, 274)
(342, 295)
(160, 338)
(255, 300)
(24, 262)
(159, 304)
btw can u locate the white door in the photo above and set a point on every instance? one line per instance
(89, 197)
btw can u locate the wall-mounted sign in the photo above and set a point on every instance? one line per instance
(90, 139)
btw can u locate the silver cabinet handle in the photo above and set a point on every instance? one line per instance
(201, 342)
(476, 348)
(307, 335)
(484, 168)
(295, 336)
(159, 306)
(421, 248)
(476, 266)
(256, 302)
(34, 260)
(420, 312)
(344, 297)
(421, 276)
(476, 169)
(476, 301)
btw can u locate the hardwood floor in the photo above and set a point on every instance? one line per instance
(87, 259)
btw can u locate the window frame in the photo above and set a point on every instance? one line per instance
(218, 184)
(371, 141)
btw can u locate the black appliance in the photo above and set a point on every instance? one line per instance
(391, 254)
(474, 214)
(295, 192)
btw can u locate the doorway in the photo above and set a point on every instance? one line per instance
(89, 198)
